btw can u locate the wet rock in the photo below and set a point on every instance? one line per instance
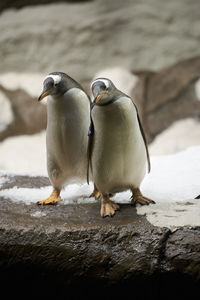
(66, 246)
(23, 114)
(186, 258)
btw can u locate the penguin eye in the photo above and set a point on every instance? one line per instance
(105, 88)
(55, 84)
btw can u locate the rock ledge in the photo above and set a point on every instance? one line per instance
(67, 246)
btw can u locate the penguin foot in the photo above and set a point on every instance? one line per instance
(53, 199)
(108, 207)
(96, 194)
(137, 197)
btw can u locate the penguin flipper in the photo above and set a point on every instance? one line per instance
(144, 138)
(145, 142)
(89, 148)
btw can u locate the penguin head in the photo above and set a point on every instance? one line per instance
(103, 90)
(54, 84)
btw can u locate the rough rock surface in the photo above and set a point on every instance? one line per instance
(168, 95)
(83, 38)
(28, 116)
(64, 247)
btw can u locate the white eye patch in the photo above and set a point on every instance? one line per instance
(56, 78)
(105, 81)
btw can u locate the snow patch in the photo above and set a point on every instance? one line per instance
(72, 194)
(25, 153)
(172, 214)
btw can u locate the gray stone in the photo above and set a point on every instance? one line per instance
(168, 95)
(83, 38)
(68, 246)
(28, 116)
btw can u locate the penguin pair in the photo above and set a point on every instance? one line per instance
(114, 148)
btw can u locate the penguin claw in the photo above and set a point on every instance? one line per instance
(108, 208)
(137, 197)
(53, 203)
(142, 201)
(95, 195)
(53, 199)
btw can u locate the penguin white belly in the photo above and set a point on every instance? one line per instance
(119, 154)
(67, 127)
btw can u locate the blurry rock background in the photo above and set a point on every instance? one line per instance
(150, 49)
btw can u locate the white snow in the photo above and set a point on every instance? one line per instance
(25, 153)
(173, 183)
(72, 194)
(173, 214)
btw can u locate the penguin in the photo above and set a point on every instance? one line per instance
(68, 118)
(118, 151)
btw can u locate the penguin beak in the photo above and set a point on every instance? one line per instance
(98, 97)
(44, 94)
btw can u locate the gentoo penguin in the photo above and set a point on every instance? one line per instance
(68, 118)
(118, 148)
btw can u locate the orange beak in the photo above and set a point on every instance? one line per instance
(98, 98)
(44, 94)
